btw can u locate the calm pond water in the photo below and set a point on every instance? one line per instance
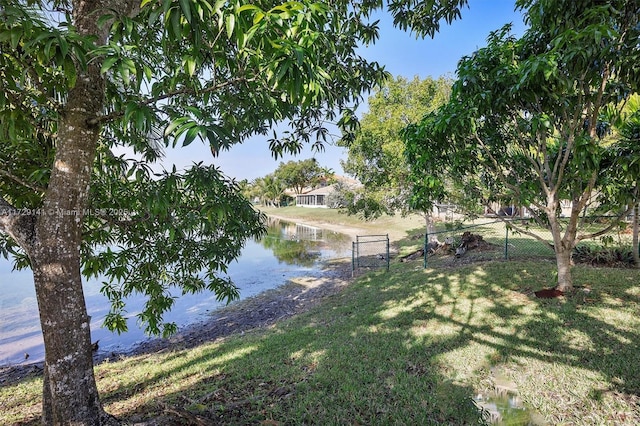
(287, 251)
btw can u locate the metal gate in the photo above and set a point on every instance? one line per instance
(370, 251)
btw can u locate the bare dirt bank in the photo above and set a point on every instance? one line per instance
(262, 310)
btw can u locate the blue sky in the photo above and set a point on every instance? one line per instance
(401, 54)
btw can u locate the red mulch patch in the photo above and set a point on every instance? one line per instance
(548, 293)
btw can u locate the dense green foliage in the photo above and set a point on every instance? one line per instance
(376, 157)
(163, 231)
(302, 174)
(529, 119)
(269, 190)
(174, 72)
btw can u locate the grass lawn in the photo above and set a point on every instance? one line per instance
(407, 347)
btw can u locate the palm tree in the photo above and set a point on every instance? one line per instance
(270, 190)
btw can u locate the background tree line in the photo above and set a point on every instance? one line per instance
(289, 179)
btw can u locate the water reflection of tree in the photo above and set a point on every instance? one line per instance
(300, 244)
(289, 249)
(337, 241)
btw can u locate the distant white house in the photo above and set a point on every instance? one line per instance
(317, 197)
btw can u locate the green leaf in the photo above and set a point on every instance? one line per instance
(246, 7)
(299, 54)
(185, 5)
(174, 125)
(258, 17)
(108, 63)
(70, 71)
(282, 69)
(191, 134)
(175, 24)
(230, 22)
(105, 18)
(15, 36)
(153, 16)
(189, 62)
(63, 45)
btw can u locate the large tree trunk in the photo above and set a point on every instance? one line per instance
(70, 396)
(563, 261)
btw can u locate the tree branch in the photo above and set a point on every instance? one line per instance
(540, 167)
(499, 173)
(593, 120)
(560, 167)
(607, 228)
(21, 181)
(562, 160)
(18, 224)
(586, 193)
(184, 91)
(511, 222)
(19, 100)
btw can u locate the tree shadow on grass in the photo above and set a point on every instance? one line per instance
(337, 364)
(405, 348)
(593, 332)
(389, 354)
(319, 368)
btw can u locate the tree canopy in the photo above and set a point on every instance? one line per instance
(301, 174)
(269, 189)
(528, 121)
(376, 157)
(171, 72)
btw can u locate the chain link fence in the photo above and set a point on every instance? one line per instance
(491, 239)
(370, 251)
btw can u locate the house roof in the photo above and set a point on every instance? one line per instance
(325, 190)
